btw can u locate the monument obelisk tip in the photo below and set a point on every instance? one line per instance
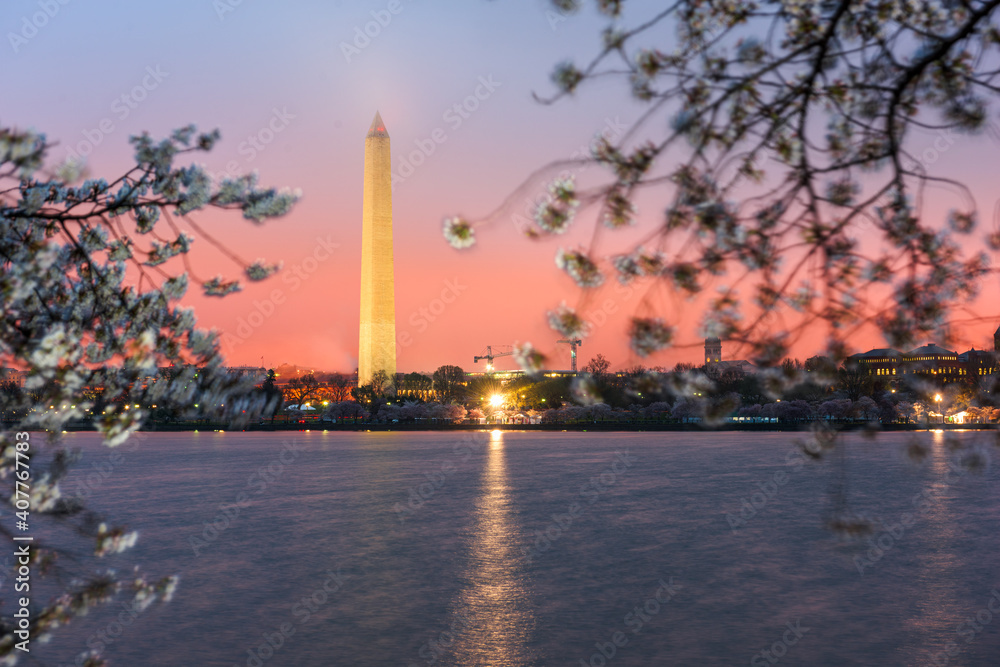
(378, 127)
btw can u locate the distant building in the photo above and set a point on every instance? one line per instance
(256, 373)
(996, 340)
(927, 362)
(713, 350)
(715, 364)
(883, 361)
(13, 375)
(505, 376)
(737, 364)
(933, 362)
(979, 363)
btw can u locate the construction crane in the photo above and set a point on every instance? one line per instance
(573, 343)
(490, 354)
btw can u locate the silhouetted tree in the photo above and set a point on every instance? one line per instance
(381, 383)
(416, 384)
(854, 382)
(340, 385)
(598, 367)
(449, 383)
(272, 394)
(730, 379)
(300, 391)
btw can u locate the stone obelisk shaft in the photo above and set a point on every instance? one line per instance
(377, 342)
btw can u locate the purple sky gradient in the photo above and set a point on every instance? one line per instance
(278, 72)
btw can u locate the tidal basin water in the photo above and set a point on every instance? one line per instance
(518, 549)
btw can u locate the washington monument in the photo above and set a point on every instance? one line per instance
(377, 342)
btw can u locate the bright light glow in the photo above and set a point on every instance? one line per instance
(937, 397)
(496, 400)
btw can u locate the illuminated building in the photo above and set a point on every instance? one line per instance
(713, 350)
(377, 338)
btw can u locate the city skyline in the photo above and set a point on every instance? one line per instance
(476, 135)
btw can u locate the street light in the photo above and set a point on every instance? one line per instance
(937, 399)
(496, 400)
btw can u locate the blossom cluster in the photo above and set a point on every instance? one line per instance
(98, 337)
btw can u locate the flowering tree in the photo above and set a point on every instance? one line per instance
(838, 408)
(90, 283)
(784, 142)
(793, 131)
(449, 383)
(866, 408)
(346, 410)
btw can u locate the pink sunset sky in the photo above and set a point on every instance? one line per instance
(294, 86)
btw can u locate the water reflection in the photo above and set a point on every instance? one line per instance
(938, 564)
(492, 614)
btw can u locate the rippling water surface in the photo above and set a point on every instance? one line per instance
(409, 549)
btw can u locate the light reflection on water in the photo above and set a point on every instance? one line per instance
(936, 563)
(454, 559)
(492, 613)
